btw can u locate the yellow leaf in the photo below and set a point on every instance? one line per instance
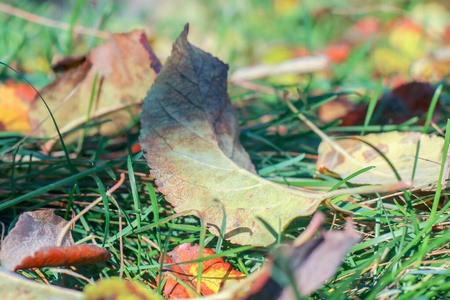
(277, 55)
(398, 147)
(388, 61)
(116, 288)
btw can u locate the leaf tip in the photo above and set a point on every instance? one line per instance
(185, 31)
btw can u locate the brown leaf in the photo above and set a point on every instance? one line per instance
(405, 102)
(311, 264)
(68, 63)
(124, 76)
(32, 243)
(190, 133)
(350, 114)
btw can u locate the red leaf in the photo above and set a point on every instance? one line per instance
(65, 256)
(338, 53)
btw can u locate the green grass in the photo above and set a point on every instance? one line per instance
(401, 256)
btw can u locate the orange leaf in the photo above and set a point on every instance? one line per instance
(338, 52)
(215, 272)
(14, 106)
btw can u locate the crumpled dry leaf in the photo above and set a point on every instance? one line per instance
(190, 134)
(14, 286)
(32, 244)
(215, 272)
(124, 76)
(398, 147)
(309, 260)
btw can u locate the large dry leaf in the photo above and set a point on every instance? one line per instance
(124, 77)
(399, 148)
(14, 286)
(32, 243)
(191, 137)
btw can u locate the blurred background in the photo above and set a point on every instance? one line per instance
(401, 40)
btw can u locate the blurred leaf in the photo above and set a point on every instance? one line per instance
(277, 55)
(16, 287)
(14, 106)
(124, 76)
(338, 52)
(341, 109)
(115, 288)
(32, 243)
(434, 15)
(398, 147)
(405, 102)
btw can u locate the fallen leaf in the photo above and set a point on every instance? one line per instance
(338, 52)
(32, 244)
(398, 147)
(14, 106)
(406, 101)
(122, 65)
(406, 42)
(309, 261)
(364, 29)
(115, 288)
(14, 286)
(215, 272)
(190, 134)
(341, 109)
(435, 15)
(283, 8)
(401, 104)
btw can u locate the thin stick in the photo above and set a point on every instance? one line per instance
(298, 65)
(3, 232)
(319, 132)
(369, 9)
(87, 208)
(122, 262)
(71, 273)
(13, 11)
(151, 243)
(445, 175)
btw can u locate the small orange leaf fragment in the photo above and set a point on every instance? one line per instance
(14, 106)
(215, 272)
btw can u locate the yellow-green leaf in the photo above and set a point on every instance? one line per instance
(190, 134)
